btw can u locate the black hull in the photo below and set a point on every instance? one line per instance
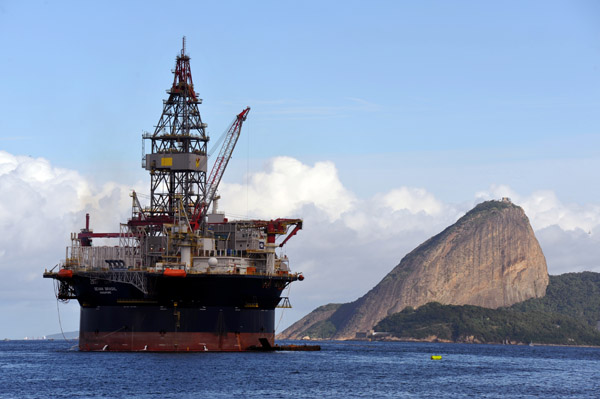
(194, 313)
(166, 320)
(161, 328)
(93, 289)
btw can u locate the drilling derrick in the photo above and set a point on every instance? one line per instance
(177, 161)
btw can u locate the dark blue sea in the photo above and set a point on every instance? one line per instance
(52, 369)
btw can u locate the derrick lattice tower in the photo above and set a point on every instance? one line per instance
(177, 161)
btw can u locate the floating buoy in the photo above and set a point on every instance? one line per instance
(436, 357)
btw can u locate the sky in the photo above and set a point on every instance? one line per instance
(379, 123)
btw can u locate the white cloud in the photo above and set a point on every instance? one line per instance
(286, 186)
(414, 200)
(544, 209)
(346, 246)
(40, 206)
(570, 250)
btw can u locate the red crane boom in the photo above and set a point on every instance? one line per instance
(233, 133)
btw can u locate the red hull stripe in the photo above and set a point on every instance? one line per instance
(171, 342)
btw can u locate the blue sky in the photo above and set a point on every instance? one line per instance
(481, 82)
(465, 100)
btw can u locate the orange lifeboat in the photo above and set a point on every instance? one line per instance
(65, 273)
(174, 273)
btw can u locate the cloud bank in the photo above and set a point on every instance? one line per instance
(40, 206)
(347, 245)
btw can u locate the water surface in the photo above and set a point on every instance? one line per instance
(41, 369)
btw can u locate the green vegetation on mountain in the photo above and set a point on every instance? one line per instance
(324, 328)
(567, 315)
(573, 294)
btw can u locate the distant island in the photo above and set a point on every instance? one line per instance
(70, 335)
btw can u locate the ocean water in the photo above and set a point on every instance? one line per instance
(41, 369)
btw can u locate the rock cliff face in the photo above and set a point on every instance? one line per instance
(489, 257)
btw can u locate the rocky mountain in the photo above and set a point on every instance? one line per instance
(489, 257)
(567, 315)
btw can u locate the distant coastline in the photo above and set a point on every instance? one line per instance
(69, 335)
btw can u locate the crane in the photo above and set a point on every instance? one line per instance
(231, 138)
(277, 227)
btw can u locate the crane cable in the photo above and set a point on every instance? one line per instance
(217, 144)
(283, 309)
(247, 171)
(59, 322)
(58, 310)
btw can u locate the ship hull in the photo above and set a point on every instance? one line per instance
(174, 328)
(193, 313)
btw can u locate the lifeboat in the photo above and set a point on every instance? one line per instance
(174, 273)
(65, 273)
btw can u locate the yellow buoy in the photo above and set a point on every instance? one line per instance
(436, 357)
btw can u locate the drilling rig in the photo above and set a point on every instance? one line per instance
(180, 278)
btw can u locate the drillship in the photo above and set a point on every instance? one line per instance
(180, 278)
